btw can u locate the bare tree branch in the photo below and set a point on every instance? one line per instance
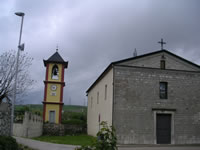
(7, 73)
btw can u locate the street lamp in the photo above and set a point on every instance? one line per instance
(20, 47)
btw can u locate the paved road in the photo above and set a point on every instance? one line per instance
(49, 146)
(43, 145)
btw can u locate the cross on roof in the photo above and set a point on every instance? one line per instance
(57, 48)
(161, 43)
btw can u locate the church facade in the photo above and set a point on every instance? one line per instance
(149, 99)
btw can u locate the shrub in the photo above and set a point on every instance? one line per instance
(74, 115)
(106, 139)
(8, 143)
(73, 122)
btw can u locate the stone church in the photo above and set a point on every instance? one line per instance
(150, 99)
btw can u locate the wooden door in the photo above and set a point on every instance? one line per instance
(163, 128)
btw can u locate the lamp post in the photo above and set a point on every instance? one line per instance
(20, 47)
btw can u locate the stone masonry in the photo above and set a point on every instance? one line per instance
(136, 100)
(5, 118)
(53, 129)
(154, 99)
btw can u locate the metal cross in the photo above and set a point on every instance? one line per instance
(161, 43)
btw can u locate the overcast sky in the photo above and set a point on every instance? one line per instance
(91, 34)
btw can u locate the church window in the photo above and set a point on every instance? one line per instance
(97, 97)
(163, 90)
(106, 91)
(99, 119)
(54, 74)
(162, 64)
(91, 102)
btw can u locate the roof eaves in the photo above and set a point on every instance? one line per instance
(100, 77)
(46, 62)
(137, 57)
(144, 55)
(183, 59)
(156, 52)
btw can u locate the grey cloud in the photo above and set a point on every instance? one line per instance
(92, 33)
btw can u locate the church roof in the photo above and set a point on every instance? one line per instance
(137, 57)
(156, 52)
(56, 58)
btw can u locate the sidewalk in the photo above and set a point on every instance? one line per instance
(43, 145)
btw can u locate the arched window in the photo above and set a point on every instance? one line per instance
(162, 64)
(55, 73)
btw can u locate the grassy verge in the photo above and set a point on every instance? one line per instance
(70, 140)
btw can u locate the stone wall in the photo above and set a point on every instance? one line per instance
(62, 129)
(32, 126)
(5, 118)
(53, 129)
(75, 129)
(136, 101)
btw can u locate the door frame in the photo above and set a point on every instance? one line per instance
(54, 116)
(155, 112)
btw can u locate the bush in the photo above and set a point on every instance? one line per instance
(74, 115)
(106, 139)
(8, 143)
(73, 122)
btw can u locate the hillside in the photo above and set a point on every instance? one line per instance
(39, 108)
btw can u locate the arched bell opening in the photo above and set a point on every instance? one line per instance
(55, 72)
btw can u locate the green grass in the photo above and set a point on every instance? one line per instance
(70, 140)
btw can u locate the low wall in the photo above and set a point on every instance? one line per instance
(5, 118)
(62, 129)
(32, 126)
(53, 129)
(74, 129)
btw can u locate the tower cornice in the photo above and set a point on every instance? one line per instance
(54, 82)
(59, 103)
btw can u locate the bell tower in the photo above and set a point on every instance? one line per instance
(53, 90)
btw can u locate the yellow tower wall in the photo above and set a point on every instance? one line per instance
(52, 107)
(59, 69)
(55, 98)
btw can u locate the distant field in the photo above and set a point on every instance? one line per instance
(39, 107)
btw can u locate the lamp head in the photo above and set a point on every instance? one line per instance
(21, 14)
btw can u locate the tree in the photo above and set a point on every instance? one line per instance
(7, 74)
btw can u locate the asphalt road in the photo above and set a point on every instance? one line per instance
(50, 146)
(43, 145)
